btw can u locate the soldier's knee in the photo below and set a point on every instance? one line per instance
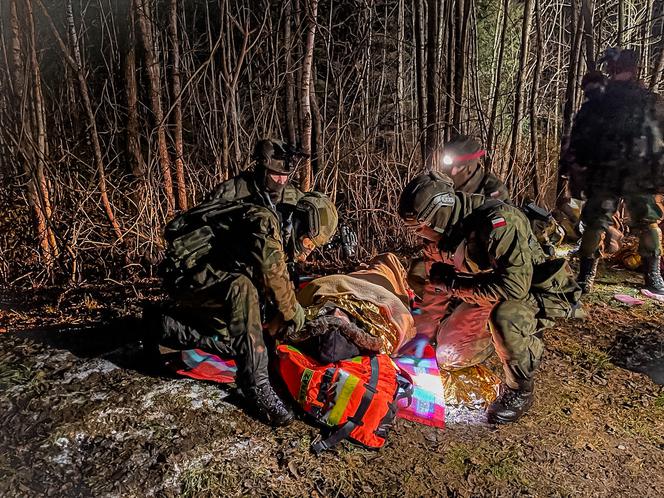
(514, 318)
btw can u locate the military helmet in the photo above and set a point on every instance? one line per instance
(428, 199)
(275, 155)
(318, 218)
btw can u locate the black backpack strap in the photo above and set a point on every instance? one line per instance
(356, 420)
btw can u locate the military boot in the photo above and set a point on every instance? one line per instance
(587, 274)
(511, 404)
(267, 405)
(653, 275)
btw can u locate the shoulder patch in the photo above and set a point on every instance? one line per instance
(498, 222)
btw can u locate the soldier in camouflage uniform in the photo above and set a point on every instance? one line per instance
(608, 140)
(461, 162)
(225, 269)
(269, 180)
(485, 264)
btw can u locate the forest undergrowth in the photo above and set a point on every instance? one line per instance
(79, 416)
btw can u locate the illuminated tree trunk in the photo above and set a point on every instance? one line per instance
(305, 97)
(177, 111)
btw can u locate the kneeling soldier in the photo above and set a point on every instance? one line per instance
(225, 269)
(486, 267)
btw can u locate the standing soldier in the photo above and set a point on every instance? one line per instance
(225, 269)
(615, 141)
(483, 259)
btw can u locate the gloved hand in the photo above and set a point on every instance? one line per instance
(295, 324)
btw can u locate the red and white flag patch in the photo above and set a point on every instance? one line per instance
(498, 222)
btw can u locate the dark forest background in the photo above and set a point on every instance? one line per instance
(116, 114)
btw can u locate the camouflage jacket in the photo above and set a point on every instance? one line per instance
(244, 186)
(239, 238)
(612, 138)
(491, 247)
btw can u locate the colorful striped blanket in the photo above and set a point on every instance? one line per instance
(427, 406)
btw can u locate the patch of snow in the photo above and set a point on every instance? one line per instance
(96, 365)
(64, 457)
(200, 395)
(242, 449)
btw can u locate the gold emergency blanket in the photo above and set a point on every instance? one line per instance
(470, 387)
(374, 296)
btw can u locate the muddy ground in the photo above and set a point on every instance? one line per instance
(80, 417)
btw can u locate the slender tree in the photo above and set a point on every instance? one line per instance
(305, 97)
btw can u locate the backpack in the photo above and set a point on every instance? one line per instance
(190, 237)
(356, 397)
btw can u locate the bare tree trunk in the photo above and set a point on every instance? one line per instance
(419, 72)
(621, 22)
(463, 13)
(305, 97)
(587, 12)
(318, 152)
(432, 85)
(133, 137)
(289, 102)
(35, 176)
(154, 75)
(570, 91)
(76, 63)
(518, 90)
(177, 106)
(450, 98)
(398, 124)
(656, 75)
(534, 99)
(496, 84)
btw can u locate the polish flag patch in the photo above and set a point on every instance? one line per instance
(498, 222)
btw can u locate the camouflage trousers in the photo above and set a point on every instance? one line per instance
(645, 214)
(467, 334)
(223, 318)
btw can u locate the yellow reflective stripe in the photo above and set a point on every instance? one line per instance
(304, 385)
(342, 400)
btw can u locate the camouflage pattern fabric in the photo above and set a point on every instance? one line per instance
(245, 187)
(239, 269)
(494, 254)
(617, 139)
(223, 318)
(256, 251)
(646, 212)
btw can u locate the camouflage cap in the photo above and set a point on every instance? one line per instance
(320, 216)
(428, 199)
